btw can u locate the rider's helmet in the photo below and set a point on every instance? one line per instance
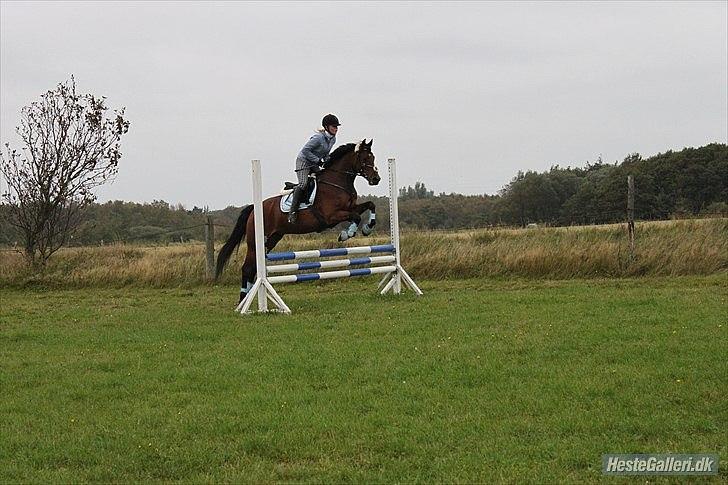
(330, 120)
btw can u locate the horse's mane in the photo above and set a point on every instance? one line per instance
(339, 153)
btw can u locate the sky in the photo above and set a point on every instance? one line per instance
(463, 95)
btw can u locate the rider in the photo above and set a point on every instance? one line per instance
(313, 154)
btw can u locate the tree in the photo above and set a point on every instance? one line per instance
(419, 191)
(71, 145)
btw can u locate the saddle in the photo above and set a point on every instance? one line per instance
(309, 195)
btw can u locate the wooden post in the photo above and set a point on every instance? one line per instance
(210, 249)
(630, 214)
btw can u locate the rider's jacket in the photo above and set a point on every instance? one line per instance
(316, 148)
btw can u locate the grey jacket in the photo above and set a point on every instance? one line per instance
(316, 148)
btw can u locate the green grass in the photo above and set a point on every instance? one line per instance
(476, 381)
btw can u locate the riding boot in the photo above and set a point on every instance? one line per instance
(295, 202)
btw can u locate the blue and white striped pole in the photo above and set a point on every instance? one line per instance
(328, 275)
(336, 263)
(325, 253)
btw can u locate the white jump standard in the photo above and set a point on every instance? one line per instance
(388, 265)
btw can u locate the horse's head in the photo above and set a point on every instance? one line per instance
(364, 162)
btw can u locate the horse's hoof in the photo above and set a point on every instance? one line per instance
(343, 236)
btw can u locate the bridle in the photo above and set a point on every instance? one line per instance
(361, 165)
(350, 174)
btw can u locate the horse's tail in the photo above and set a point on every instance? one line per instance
(235, 237)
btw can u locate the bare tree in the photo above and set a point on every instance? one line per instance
(70, 146)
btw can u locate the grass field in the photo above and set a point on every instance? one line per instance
(477, 381)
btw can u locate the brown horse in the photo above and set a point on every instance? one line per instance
(335, 202)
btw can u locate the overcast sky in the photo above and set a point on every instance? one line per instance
(462, 94)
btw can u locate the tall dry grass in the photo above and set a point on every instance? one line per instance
(684, 247)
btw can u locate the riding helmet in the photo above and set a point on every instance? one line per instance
(330, 120)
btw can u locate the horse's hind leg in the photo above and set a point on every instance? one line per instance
(272, 240)
(249, 270)
(248, 274)
(249, 265)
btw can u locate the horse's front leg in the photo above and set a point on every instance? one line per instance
(369, 222)
(352, 218)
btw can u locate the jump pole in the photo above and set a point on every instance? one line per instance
(394, 275)
(393, 281)
(262, 287)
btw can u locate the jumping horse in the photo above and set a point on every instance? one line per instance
(335, 202)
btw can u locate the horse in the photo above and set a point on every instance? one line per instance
(335, 202)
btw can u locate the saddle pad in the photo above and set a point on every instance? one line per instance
(287, 195)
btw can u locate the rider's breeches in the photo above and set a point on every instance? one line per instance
(302, 171)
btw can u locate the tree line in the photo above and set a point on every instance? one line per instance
(685, 183)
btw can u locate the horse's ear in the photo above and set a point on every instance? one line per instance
(370, 142)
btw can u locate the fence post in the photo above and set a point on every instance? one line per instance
(630, 214)
(210, 249)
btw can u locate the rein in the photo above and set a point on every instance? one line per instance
(346, 172)
(350, 192)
